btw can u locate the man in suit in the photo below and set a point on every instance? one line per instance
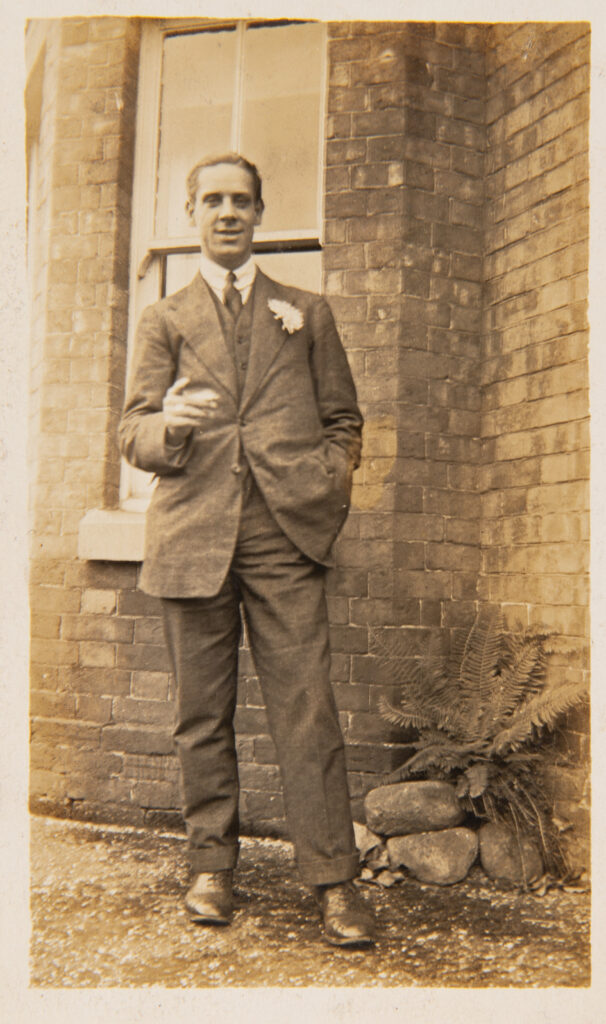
(243, 405)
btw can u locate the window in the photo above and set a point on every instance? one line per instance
(253, 87)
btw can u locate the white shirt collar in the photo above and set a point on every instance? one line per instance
(216, 276)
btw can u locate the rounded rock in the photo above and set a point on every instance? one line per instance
(508, 858)
(441, 857)
(405, 807)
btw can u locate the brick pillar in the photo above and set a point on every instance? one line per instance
(80, 378)
(443, 245)
(403, 257)
(363, 281)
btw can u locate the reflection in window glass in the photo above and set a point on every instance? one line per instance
(275, 85)
(280, 120)
(301, 269)
(181, 268)
(198, 82)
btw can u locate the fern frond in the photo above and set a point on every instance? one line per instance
(456, 723)
(518, 678)
(455, 655)
(431, 736)
(542, 710)
(445, 754)
(399, 659)
(479, 666)
(523, 673)
(438, 685)
(402, 672)
(435, 655)
(404, 716)
(438, 760)
(426, 690)
(393, 645)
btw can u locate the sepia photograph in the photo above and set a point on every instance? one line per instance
(307, 307)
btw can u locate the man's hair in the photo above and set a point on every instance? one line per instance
(225, 158)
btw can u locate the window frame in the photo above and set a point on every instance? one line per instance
(146, 244)
(118, 534)
(149, 252)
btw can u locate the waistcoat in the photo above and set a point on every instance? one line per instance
(237, 335)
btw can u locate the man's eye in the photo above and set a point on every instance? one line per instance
(242, 202)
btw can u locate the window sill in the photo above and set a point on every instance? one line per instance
(112, 535)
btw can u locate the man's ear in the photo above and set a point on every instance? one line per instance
(259, 207)
(189, 209)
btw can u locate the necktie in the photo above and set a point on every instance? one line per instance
(231, 296)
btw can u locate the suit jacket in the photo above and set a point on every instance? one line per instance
(297, 424)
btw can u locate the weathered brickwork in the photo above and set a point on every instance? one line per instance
(100, 720)
(403, 259)
(535, 431)
(455, 261)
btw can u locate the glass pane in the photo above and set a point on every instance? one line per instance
(198, 85)
(282, 108)
(181, 268)
(301, 269)
(137, 488)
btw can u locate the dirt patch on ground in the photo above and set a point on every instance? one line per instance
(107, 911)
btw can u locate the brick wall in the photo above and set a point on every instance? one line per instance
(457, 286)
(405, 189)
(535, 432)
(99, 669)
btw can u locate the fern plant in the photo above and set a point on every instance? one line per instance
(481, 717)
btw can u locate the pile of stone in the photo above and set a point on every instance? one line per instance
(418, 827)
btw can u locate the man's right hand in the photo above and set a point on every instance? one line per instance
(184, 410)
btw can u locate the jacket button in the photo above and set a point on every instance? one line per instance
(236, 468)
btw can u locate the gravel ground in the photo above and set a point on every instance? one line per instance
(107, 911)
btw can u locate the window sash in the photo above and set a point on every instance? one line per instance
(149, 251)
(152, 53)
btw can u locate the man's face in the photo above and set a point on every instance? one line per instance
(225, 214)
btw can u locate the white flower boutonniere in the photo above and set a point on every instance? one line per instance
(290, 316)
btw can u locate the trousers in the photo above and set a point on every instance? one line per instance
(281, 595)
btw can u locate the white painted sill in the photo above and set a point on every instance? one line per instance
(112, 535)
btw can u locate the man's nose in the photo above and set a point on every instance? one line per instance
(227, 209)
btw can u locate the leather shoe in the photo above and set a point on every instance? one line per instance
(209, 900)
(347, 919)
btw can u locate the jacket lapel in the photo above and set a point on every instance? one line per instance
(266, 340)
(203, 335)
